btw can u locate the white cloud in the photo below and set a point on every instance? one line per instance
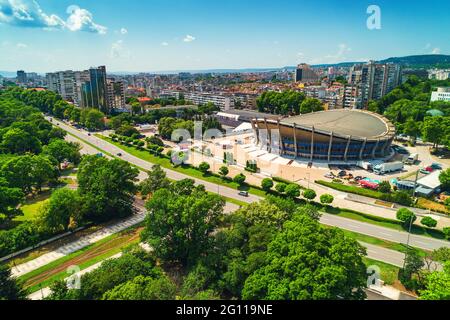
(164, 44)
(436, 51)
(22, 45)
(28, 14)
(189, 38)
(123, 31)
(82, 20)
(119, 51)
(343, 49)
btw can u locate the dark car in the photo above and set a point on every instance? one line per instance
(119, 154)
(342, 173)
(243, 193)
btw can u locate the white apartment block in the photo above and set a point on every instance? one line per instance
(67, 84)
(221, 101)
(442, 94)
(438, 74)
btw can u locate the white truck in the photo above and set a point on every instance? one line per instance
(388, 167)
(412, 158)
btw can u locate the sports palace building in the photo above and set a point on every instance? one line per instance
(335, 135)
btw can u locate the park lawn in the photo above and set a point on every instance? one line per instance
(389, 273)
(83, 258)
(185, 169)
(381, 242)
(32, 206)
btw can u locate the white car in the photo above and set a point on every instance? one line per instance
(329, 175)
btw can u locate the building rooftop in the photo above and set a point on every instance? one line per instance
(353, 123)
(431, 180)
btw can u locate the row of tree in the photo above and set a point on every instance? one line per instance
(287, 103)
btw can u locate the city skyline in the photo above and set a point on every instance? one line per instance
(133, 36)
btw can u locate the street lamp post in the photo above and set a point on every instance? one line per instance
(407, 241)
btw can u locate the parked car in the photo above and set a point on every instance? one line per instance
(429, 169)
(329, 175)
(358, 178)
(424, 171)
(243, 193)
(436, 166)
(342, 173)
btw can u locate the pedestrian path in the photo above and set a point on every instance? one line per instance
(69, 248)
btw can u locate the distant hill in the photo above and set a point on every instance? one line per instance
(426, 60)
(8, 74)
(417, 61)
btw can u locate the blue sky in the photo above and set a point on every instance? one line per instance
(154, 35)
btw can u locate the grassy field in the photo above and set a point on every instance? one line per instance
(84, 258)
(31, 207)
(389, 273)
(380, 242)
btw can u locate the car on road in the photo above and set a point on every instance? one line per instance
(358, 178)
(243, 193)
(424, 171)
(119, 154)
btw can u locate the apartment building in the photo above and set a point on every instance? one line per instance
(374, 80)
(442, 94)
(438, 74)
(305, 74)
(116, 94)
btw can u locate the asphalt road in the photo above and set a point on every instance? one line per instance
(422, 242)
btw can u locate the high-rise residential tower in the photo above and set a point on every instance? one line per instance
(95, 91)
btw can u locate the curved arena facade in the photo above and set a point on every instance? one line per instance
(336, 135)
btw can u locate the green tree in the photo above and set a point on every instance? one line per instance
(127, 131)
(437, 285)
(204, 167)
(444, 178)
(143, 288)
(413, 266)
(63, 211)
(179, 227)
(406, 216)
(384, 187)
(107, 187)
(93, 119)
(157, 179)
(429, 222)
(10, 198)
(18, 141)
(62, 150)
(281, 187)
(10, 288)
(292, 190)
(326, 199)
(309, 194)
(308, 261)
(267, 184)
(239, 179)
(311, 105)
(223, 171)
